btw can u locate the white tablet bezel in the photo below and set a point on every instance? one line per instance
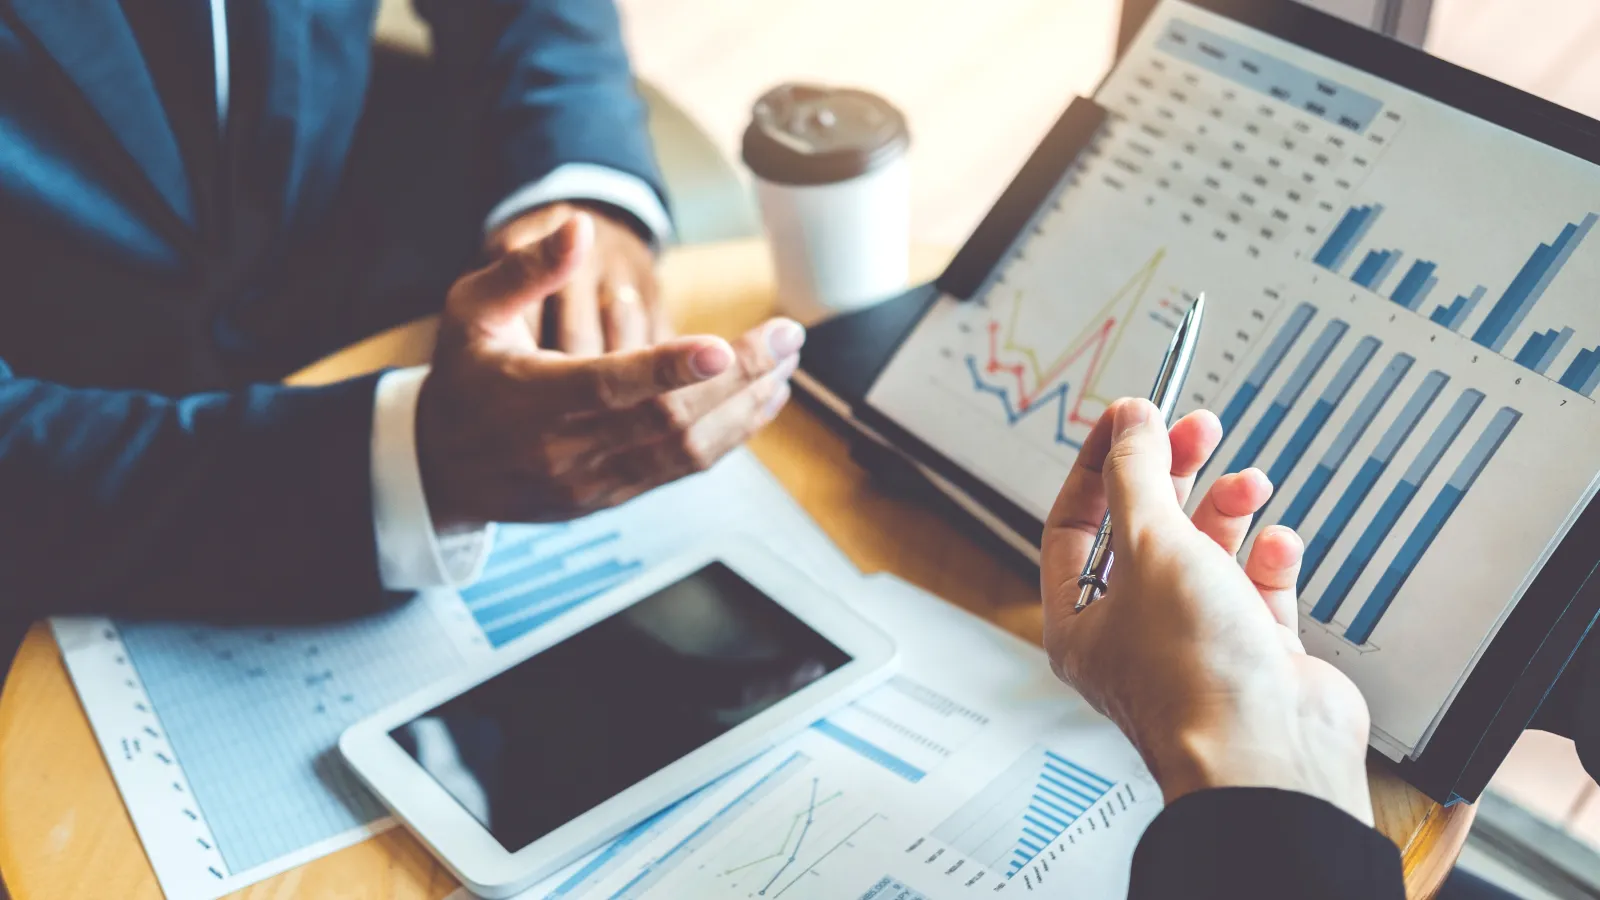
(478, 859)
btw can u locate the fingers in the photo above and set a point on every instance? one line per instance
(699, 446)
(625, 317)
(1138, 472)
(1274, 566)
(508, 287)
(1194, 438)
(578, 330)
(1228, 509)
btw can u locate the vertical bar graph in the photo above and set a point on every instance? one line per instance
(1266, 366)
(1553, 349)
(1413, 289)
(1375, 268)
(1530, 284)
(1433, 521)
(1459, 310)
(1583, 373)
(1349, 232)
(1356, 493)
(1354, 428)
(1366, 546)
(1011, 820)
(1312, 424)
(1288, 395)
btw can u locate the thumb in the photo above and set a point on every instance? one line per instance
(503, 290)
(1138, 471)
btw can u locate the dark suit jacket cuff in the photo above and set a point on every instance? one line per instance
(1261, 842)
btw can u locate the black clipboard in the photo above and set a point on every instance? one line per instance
(1541, 635)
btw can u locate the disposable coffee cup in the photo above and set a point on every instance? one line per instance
(834, 186)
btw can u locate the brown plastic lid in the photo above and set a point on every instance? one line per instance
(807, 134)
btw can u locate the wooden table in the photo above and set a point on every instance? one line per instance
(65, 835)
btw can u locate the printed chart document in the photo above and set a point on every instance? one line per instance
(947, 782)
(222, 740)
(1400, 324)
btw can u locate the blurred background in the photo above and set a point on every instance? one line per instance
(981, 81)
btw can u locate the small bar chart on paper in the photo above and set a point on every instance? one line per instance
(1043, 798)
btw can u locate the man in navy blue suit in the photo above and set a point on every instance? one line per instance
(194, 203)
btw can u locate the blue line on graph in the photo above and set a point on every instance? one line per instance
(811, 812)
(505, 634)
(1288, 395)
(552, 593)
(1356, 493)
(1057, 395)
(710, 827)
(1383, 522)
(1348, 436)
(871, 751)
(1421, 537)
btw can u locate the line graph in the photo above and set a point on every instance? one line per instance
(1031, 379)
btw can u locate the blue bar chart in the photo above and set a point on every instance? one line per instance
(1375, 268)
(1321, 410)
(538, 572)
(1266, 366)
(1433, 521)
(1452, 315)
(1354, 428)
(1530, 284)
(1418, 283)
(1288, 395)
(1019, 814)
(1361, 485)
(1583, 373)
(1400, 497)
(1506, 316)
(1336, 250)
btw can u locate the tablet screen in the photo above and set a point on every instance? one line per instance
(547, 740)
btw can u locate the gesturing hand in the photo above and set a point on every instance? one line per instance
(1194, 657)
(507, 431)
(611, 301)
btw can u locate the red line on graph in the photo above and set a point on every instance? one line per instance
(1026, 398)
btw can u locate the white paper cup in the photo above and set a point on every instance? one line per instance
(834, 186)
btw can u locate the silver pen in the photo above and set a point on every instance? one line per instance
(1169, 385)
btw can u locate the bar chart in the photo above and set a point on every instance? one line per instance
(1421, 538)
(1024, 810)
(1288, 395)
(1394, 505)
(1311, 426)
(1344, 510)
(1277, 350)
(538, 572)
(1505, 317)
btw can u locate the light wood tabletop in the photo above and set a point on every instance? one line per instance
(65, 835)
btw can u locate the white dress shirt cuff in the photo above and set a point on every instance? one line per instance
(587, 181)
(412, 555)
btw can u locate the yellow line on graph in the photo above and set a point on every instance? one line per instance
(1134, 288)
(784, 847)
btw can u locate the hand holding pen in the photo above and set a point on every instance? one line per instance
(1168, 388)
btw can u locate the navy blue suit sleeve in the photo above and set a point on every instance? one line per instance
(549, 83)
(1228, 843)
(249, 505)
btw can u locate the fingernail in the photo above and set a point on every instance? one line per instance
(711, 360)
(1128, 416)
(785, 338)
(779, 397)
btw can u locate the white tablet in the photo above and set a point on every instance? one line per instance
(568, 737)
